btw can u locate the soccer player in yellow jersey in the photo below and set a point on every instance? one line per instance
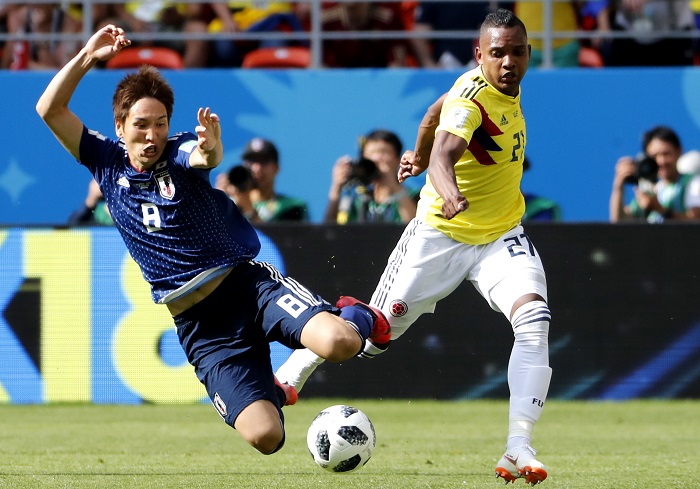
(467, 227)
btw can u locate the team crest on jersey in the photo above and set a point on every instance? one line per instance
(398, 308)
(165, 185)
(220, 405)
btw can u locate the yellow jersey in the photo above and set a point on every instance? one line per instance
(490, 170)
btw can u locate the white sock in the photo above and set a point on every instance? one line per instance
(298, 367)
(528, 371)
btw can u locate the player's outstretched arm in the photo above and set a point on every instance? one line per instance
(446, 153)
(210, 149)
(53, 103)
(415, 162)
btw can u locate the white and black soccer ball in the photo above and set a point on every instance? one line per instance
(341, 438)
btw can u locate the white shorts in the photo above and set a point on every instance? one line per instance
(427, 266)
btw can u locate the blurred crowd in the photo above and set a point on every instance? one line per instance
(613, 32)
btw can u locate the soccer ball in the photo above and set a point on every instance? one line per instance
(341, 439)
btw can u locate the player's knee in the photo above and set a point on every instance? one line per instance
(342, 342)
(331, 338)
(266, 442)
(531, 324)
(344, 346)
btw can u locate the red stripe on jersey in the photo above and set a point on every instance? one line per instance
(482, 140)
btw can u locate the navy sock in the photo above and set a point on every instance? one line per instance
(359, 318)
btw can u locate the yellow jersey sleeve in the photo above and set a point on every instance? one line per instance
(489, 172)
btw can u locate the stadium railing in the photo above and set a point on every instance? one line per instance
(315, 36)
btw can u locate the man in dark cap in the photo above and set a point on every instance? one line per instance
(252, 185)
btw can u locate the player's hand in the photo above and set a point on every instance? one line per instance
(454, 205)
(208, 130)
(409, 166)
(107, 42)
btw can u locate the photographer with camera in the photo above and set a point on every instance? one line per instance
(661, 193)
(366, 189)
(251, 185)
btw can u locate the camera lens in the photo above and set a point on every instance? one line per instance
(240, 177)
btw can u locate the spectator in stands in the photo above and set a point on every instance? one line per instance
(363, 53)
(564, 19)
(247, 16)
(447, 16)
(252, 186)
(37, 19)
(160, 16)
(367, 190)
(538, 208)
(643, 20)
(661, 193)
(94, 211)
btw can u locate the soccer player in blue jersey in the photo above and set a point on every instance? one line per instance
(196, 249)
(467, 228)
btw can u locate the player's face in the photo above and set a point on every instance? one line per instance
(666, 156)
(504, 54)
(383, 155)
(145, 132)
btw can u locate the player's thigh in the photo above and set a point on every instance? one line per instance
(424, 267)
(508, 269)
(285, 306)
(240, 378)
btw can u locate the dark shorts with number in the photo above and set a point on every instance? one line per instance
(227, 335)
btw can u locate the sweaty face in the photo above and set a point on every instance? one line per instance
(504, 54)
(145, 132)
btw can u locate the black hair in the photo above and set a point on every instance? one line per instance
(383, 135)
(501, 18)
(662, 133)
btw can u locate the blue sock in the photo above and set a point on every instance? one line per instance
(359, 318)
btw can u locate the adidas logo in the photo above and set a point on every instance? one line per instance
(504, 121)
(123, 182)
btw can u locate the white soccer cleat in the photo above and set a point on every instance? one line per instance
(521, 462)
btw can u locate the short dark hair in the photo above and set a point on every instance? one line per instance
(662, 133)
(145, 83)
(383, 135)
(501, 18)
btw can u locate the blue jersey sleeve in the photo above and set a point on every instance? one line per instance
(176, 226)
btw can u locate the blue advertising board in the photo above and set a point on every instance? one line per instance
(579, 123)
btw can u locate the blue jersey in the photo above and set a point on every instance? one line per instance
(178, 228)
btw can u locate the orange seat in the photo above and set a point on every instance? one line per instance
(590, 58)
(155, 56)
(290, 57)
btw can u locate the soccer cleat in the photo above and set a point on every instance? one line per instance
(381, 331)
(290, 393)
(521, 462)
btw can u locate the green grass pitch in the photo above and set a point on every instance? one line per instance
(420, 444)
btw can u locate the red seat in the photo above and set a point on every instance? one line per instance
(290, 57)
(155, 56)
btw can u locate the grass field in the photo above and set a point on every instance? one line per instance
(420, 444)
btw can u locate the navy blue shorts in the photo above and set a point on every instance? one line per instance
(227, 336)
